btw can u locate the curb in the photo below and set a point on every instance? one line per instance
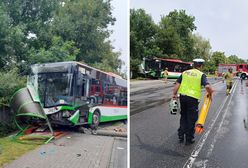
(109, 133)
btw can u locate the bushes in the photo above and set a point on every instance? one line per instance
(5, 129)
(7, 124)
(9, 83)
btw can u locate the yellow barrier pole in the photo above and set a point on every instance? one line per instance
(203, 115)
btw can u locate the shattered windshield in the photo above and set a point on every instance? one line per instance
(54, 88)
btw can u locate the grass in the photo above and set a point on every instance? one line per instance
(11, 150)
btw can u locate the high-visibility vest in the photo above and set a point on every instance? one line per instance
(191, 83)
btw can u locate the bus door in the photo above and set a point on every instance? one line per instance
(81, 95)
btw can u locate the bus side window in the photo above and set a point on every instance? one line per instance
(97, 88)
(241, 66)
(123, 98)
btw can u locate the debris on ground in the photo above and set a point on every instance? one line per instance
(119, 126)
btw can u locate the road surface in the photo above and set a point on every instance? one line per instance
(154, 141)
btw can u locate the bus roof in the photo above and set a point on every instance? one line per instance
(80, 64)
(107, 73)
(175, 60)
(67, 67)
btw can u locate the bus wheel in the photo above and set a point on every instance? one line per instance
(125, 121)
(243, 76)
(95, 120)
(81, 129)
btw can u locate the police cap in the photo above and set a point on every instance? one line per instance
(198, 60)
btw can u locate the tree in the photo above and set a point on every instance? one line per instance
(233, 59)
(46, 30)
(168, 39)
(85, 22)
(209, 66)
(59, 51)
(218, 58)
(142, 38)
(202, 47)
(4, 31)
(25, 18)
(174, 34)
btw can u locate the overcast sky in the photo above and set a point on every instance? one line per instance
(119, 37)
(223, 22)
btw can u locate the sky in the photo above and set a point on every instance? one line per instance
(119, 37)
(223, 22)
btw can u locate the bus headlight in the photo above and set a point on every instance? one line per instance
(66, 114)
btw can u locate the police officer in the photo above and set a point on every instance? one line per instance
(188, 86)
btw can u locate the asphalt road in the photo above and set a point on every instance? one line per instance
(154, 141)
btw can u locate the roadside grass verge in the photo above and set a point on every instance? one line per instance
(11, 150)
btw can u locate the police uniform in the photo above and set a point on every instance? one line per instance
(190, 92)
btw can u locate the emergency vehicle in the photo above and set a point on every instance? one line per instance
(238, 69)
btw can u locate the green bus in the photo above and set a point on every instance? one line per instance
(75, 94)
(153, 67)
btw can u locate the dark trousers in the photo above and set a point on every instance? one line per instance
(189, 115)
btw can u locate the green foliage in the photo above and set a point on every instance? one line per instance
(209, 67)
(110, 64)
(134, 67)
(10, 82)
(85, 22)
(143, 32)
(174, 34)
(233, 59)
(218, 58)
(51, 30)
(5, 129)
(59, 51)
(168, 39)
(202, 47)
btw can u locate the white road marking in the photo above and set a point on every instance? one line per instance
(221, 123)
(120, 148)
(189, 163)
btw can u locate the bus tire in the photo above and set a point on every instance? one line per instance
(81, 129)
(243, 76)
(95, 120)
(92, 100)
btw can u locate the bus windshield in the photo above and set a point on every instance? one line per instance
(53, 88)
